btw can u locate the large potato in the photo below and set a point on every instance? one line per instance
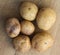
(22, 43)
(42, 41)
(28, 10)
(46, 18)
(27, 27)
(13, 27)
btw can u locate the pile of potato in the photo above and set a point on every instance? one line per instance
(45, 18)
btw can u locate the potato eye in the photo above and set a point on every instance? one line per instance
(29, 8)
(45, 42)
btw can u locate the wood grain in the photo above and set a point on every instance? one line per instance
(10, 8)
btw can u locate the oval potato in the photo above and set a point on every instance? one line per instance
(22, 43)
(46, 18)
(28, 11)
(27, 27)
(42, 41)
(13, 27)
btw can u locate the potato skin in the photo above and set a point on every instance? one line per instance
(46, 18)
(22, 43)
(28, 11)
(13, 27)
(42, 41)
(27, 27)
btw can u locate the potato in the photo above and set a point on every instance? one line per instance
(27, 27)
(22, 43)
(42, 41)
(46, 18)
(28, 10)
(13, 27)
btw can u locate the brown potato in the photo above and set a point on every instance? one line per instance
(22, 43)
(42, 41)
(13, 27)
(46, 18)
(27, 27)
(28, 10)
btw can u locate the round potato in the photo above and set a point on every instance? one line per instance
(46, 18)
(27, 27)
(13, 27)
(42, 41)
(28, 10)
(22, 43)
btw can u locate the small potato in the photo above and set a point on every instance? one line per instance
(22, 43)
(27, 27)
(28, 10)
(13, 27)
(42, 41)
(46, 18)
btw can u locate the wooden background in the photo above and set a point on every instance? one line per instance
(10, 8)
